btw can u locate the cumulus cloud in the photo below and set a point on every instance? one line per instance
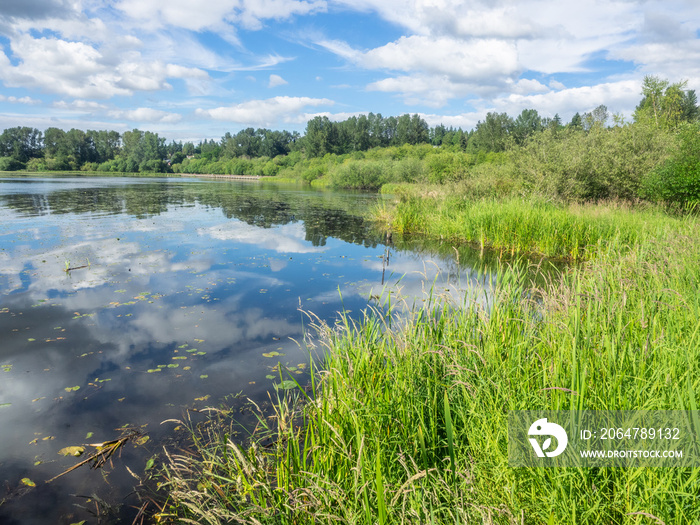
(482, 48)
(79, 105)
(247, 13)
(19, 100)
(434, 91)
(266, 112)
(146, 115)
(471, 60)
(276, 80)
(80, 70)
(439, 68)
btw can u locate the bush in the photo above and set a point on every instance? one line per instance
(600, 164)
(36, 164)
(89, 166)
(362, 175)
(678, 179)
(10, 164)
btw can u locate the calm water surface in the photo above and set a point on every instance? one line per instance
(189, 291)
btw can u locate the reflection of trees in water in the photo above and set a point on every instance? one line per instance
(323, 215)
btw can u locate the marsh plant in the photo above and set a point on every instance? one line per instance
(406, 422)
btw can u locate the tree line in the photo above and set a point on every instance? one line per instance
(664, 106)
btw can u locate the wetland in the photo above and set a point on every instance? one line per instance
(126, 302)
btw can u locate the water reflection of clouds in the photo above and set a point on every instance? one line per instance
(412, 279)
(184, 277)
(289, 238)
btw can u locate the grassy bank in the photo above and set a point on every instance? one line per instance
(406, 422)
(525, 225)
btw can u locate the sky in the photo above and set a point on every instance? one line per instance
(192, 70)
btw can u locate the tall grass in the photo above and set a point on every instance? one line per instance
(517, 225)
(406, 421)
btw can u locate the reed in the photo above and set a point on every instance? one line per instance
(406, 418)
(517, 225)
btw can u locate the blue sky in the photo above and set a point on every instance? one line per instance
(194, 70)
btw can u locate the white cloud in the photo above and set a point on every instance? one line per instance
(618, 96)
(80, 70)
(276, 80)
(433, 91)
(439, 69)
(79, 104)
(59, 66)
(459, 60)
(247, 13)
(266, 112)
(19, 100)
(146, 115)
(525, 86)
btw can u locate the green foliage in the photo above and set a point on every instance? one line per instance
(599, 164)
(524, 226)
(407, 421)
(666, 105)
(10, 164)
(678, 179)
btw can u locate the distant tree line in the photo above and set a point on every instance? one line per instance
(663, 106)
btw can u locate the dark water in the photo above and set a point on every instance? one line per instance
(188, 291)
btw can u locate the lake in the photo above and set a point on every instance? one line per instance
(126, 302)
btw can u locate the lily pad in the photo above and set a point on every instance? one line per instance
(72, 451)
(28, 482)
(71, 388)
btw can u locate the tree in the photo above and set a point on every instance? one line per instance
(576, 122)
(105, 144)
(493, 133)
(321, 137)
(21, 143)
(525, 125)
(666, 105)
(596, 118)
(691, 111)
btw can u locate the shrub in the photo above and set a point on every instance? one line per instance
(600, 164)
(678, 179)
(10, 164)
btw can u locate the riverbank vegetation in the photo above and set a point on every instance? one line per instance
(405, 419)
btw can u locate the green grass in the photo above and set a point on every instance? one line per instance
(518, 225)
(406, 421)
